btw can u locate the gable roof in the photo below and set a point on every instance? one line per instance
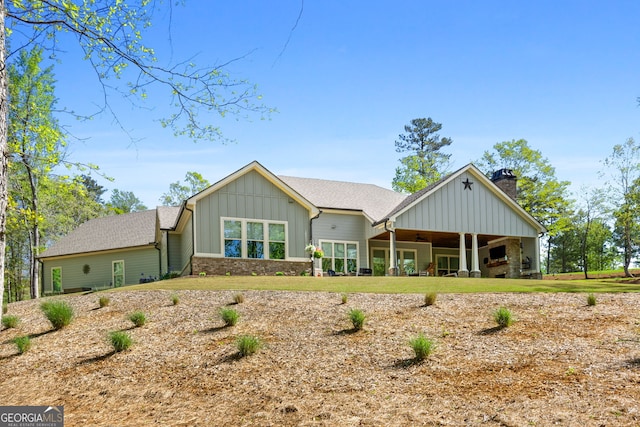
(257, 167)
(418, 196)
(107, 233)
(372, 200)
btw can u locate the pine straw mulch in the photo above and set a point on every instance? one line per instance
(561, 363)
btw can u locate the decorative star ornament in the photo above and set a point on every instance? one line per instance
(467, 185)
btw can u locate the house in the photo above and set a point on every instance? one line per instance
(254, 222)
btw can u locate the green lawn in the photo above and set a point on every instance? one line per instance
(389, 284)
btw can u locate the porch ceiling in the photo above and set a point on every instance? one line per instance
(437, 239)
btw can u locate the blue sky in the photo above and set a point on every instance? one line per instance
(564, 75)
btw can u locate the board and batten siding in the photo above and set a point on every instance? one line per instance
(250, 196)
(137, 262)
(454, 209)
(343, 227)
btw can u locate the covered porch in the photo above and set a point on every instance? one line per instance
(407, 252)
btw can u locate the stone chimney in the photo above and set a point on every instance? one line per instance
(506, 181)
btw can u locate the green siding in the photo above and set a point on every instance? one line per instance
(136, 262)
(186, 248)
(250, 196)
(454, 209)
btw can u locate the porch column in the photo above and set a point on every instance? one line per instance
(535, 262)
(393, 262)
(475, 266)
(462, 269)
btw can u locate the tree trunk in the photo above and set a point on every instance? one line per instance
(35, 236)
(4, 149)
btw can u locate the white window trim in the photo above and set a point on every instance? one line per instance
(243, 236)
(113, 276)
(346, 242)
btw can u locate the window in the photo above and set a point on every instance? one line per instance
(407, 262)
(56, 279)
(276, 241)
(447, 264)
(341, 257)
(232, 239)
(254, 239)
(117, 273)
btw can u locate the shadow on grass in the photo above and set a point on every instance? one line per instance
(96, 358)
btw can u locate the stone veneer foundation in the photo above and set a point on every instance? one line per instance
(246, 267)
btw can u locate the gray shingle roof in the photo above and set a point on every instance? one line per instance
(110, 232)
(167, 216)
(371, 199)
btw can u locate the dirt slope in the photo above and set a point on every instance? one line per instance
(562, 363)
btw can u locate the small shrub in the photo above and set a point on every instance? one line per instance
(304, 273)
(254, 274)
(104, 301)
(175, 299)
(357, 318)
(344, 298)
(228, 273)
(138, 318)
(10, 321)
(5, 308)
(248, 345)
(202, 274)
(279, 273)
(22, 343)
(238, 298)
(591, 299)
(120, 341)
(229, 316)
(430, 298)
(59, 313)
(422, 346)
(503, 317)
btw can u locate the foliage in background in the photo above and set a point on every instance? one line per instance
(179, 192)
(623, 170)
(110, 36)
(122, 202)
(539, 192)
(425, 163)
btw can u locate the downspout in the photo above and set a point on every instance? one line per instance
(392, 238)
(193, 241)
(311, 239)
(155, 245)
